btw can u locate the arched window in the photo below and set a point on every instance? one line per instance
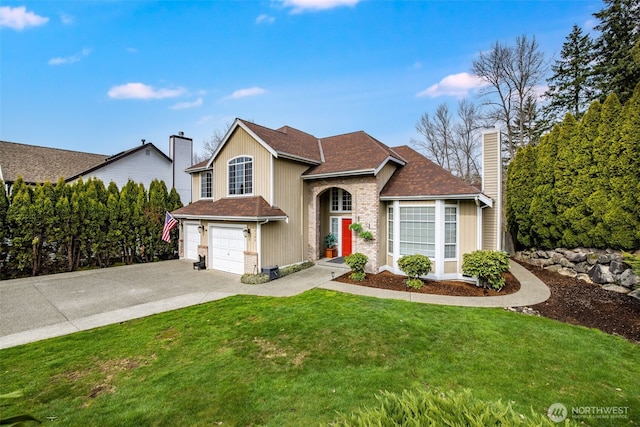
(241, 176)
(340, 200)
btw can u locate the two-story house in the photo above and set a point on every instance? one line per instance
(268, 197)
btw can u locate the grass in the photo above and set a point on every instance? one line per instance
(251, 360)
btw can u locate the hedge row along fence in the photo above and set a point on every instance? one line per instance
(59, 227)
(580, 186)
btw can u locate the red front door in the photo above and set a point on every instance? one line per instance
(346, 237)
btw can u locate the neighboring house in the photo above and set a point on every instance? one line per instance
(142, 164)
(268, 197)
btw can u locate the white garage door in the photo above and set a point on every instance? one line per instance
(226, 249)
(191, 241)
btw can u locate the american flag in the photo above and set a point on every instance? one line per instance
(169, 223)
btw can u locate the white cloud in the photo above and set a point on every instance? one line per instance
(243, 93)
(185, 105)
(61, 60)
(142, 91)
(18, 18)
(458, 85)
(299, 6)
(132, 50)
(265, 19)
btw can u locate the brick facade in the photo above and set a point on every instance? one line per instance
(365, 209)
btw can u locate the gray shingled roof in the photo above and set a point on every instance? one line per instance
(39, 164)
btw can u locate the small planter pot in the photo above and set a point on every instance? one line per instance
(330, 252)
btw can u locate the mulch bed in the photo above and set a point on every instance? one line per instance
(572, 300)
(392, 282)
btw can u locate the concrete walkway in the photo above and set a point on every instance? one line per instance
(37, 308)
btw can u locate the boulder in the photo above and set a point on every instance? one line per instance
(635, 294)
(628, 279)
(600, 274)
(575, 257)
(541, 254)
(592, 258)
(554, 267)
(585, 278)
(567, 272)
(618, 267)
(539, 262)
(556, 258)
(582, 267)
(566, 263)
(604, 258)
(616, 288)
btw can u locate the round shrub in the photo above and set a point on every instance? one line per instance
(357, 262)
(487, 266)
(415, 266)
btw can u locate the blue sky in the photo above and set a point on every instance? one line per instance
(99, 76)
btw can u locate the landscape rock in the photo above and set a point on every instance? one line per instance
(616, 288)
(628, 279)
(567, 272)
(585, 278)
(582, 267)
(553, 267)
(618, 267)
(592, 258)
(600, 274)
(635, 294)
(576, 257)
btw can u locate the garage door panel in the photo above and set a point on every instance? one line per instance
(226, 249)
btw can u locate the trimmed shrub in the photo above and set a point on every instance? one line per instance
(294, 268)
(254, 279)
(357, 262)
(432, 408)
(487, 266)
(415, 266)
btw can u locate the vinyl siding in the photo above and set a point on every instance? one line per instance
(385, 174)
(242, 144)
(491, 181)
(468, 227)
(195, 187)
(285, 243)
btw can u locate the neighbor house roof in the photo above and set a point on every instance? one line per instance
(39, 164)
(235, 209)
(352, 154)
(198, 167)
(116, 157)
(421, 178)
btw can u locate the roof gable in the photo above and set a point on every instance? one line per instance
(353, 153)
(421, 178)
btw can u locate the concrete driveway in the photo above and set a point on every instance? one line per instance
(41, 307)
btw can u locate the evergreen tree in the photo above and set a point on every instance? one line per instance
(598, 200)
(129, 220)
(5, 237)
(622, 217)
(44, 220)
(571, 85)
(565, 173)
(520, 187)
(97, 222)
(616, 69)
(21, 221)
(545, 226)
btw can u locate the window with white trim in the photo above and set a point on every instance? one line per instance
(240, 176)
(418, 230)
(340, 200)
(390, 229)
(450, 231)
(206, 187)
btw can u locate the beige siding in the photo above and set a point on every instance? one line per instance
(385, 174)
(285, 243)
(195, 187)
(468, 227)
(241, 143)
(450, 267)
(491, 181)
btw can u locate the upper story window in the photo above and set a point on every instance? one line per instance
(340, 200)
(241, 176)
(206, 187)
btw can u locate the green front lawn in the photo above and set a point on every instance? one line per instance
(296, 361)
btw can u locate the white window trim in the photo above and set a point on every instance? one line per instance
(457, 206)
(390, 250)
(200, 178)
(340, 200)
(252, 176)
